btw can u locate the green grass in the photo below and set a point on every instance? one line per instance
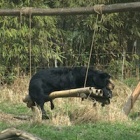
(10, 108)
(131, 82)
(98, 131)
(3, 125)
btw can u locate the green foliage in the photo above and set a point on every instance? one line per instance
(64, 40)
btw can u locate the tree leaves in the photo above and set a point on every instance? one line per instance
(65, 39)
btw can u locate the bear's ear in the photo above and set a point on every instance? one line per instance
(104, 75)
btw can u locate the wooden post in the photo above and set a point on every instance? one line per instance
(131, 100)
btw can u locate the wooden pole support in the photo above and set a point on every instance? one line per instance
(131, 100)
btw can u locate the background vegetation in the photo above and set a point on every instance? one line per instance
(66, 40)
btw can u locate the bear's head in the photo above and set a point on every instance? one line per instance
(103, 81)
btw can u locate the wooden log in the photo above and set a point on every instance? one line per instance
(131, 100)
(79, 92)
(88, 91)
(120, 7)
(15, 134)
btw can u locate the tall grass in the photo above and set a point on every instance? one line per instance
(16, 91)
(69, 111)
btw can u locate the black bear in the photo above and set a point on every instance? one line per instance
(55, 79)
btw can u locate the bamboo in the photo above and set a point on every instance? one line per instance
(76, 93)
(113, 8)
(79, 92)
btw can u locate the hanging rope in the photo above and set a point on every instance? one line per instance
(28, 11)
(30, 43)
(98, 9)
(91, 48)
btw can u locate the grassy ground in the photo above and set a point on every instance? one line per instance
(71, 119)
(98, 131)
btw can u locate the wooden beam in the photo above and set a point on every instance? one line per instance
(86, 92)
(120, 7)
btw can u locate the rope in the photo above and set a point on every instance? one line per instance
(98, 8)
(91, 48)
(30, 44)
(26, 10)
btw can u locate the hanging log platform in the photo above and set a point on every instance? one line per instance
(95, 94)
(100, 9)
(131, 100)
